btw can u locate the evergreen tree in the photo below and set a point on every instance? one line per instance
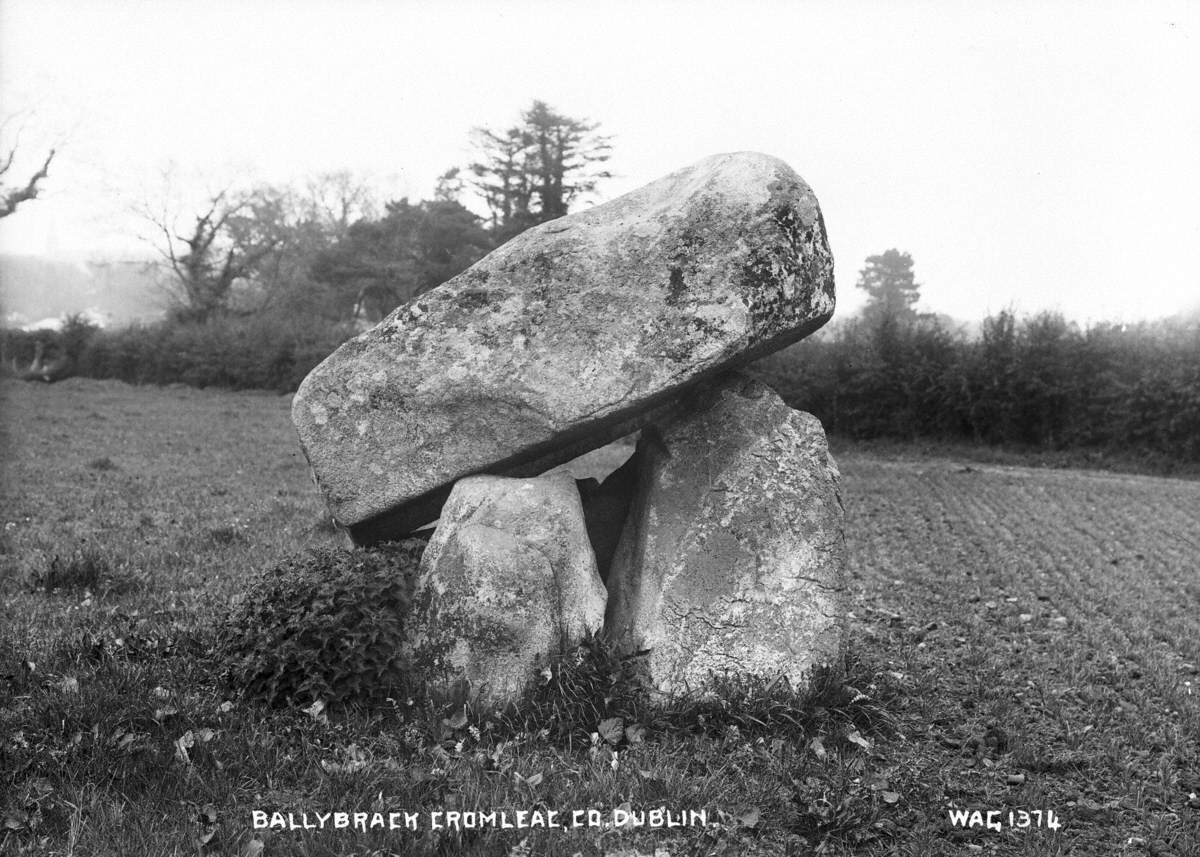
(533, 171)
(379, 264)
(888, 281)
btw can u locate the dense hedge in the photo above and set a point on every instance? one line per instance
(237, 353)
(1038, 381)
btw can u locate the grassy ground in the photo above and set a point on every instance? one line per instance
(1024, 639)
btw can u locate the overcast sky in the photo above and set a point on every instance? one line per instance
(1037, 155)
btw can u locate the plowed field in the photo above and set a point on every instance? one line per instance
(1049, 624)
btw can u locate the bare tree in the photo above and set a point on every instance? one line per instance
(223, 244)
(335, 200)
(11, 196)
(249, 251)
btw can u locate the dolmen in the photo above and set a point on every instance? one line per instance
(717, 547)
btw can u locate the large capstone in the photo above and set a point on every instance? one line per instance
(732, 555)
(507, 583)
(574, 333)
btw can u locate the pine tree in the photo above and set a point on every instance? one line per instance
(888, 281)
(533, 171)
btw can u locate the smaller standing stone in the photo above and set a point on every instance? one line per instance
(732, 555)
(507, 581)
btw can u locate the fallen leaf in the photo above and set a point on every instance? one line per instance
(890, 797)
(818, 748)
(316, 711)
(352, 766)
(182, 744)
(635, 733)
(855, 737)
(749, 818)
(612, 730)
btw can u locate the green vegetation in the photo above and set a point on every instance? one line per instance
(1039, 383)
(1023, 639)
(84, 569)
(1036, 384)
(325, 626)
(264, 282)
(533, 171)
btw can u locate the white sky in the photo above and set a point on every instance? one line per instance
(1038, 155)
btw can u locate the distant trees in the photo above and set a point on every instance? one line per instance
(896, 349)
(1038, 381)
(264, 281)
(250, 251)
(324, 252)
(533, 171)
(380, 264)
(525, 175)
(226, 242)
(277, 251)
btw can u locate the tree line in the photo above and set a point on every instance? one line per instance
(262, 283)
(1034, 381)
(265, 283)
(327, 252)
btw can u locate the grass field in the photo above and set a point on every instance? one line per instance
(1024, 640)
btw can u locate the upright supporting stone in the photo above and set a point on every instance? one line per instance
(508, 581)
(732, 556)
(574, 333)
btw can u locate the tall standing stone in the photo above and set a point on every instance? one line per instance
(732, 556)
(574, 333)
